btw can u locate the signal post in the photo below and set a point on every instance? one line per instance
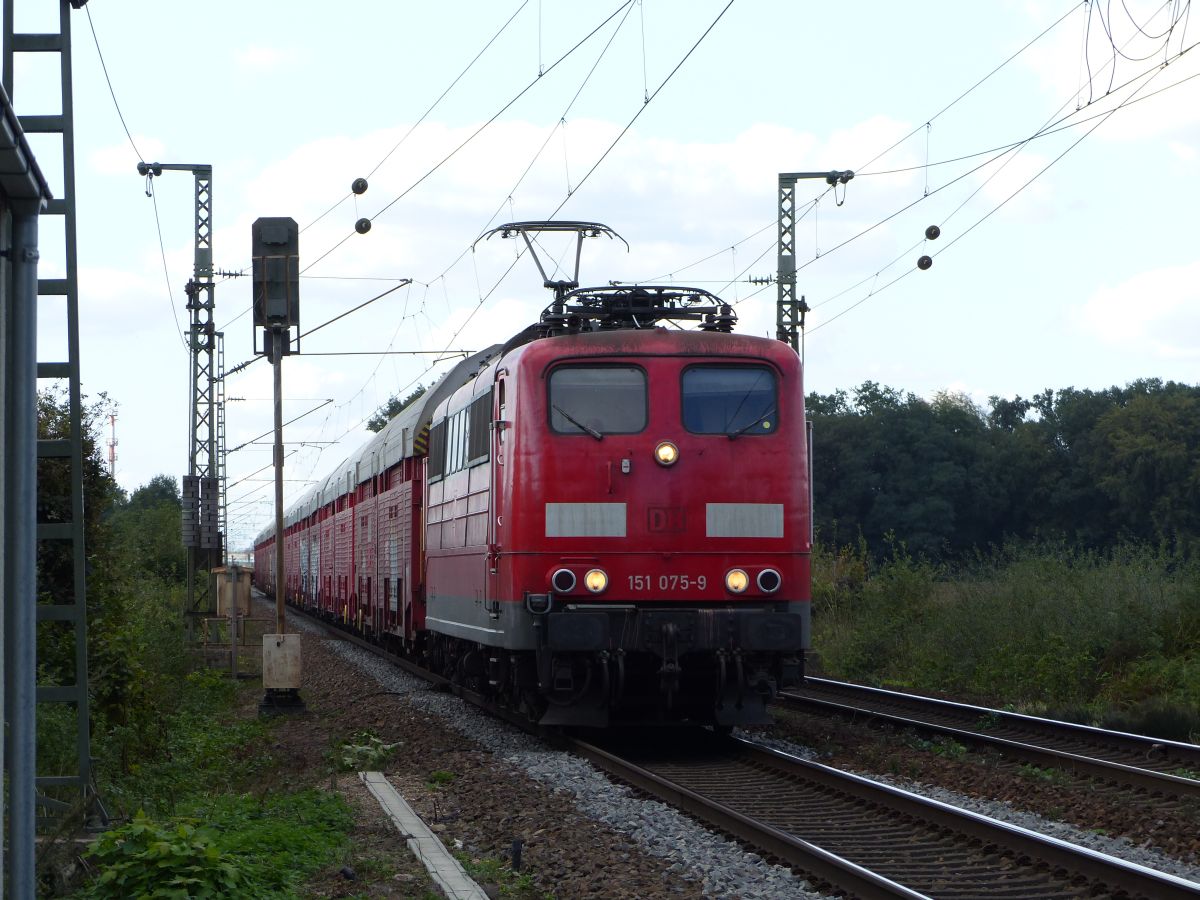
(276, 252)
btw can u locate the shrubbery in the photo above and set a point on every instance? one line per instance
(204, 818)
(1102, 637)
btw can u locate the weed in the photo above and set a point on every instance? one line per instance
(489, 870)
(363, 752)
(226, 846)
(439, 777)
(1047, 776)
(941, 746)
(152, 860)
(988, 721)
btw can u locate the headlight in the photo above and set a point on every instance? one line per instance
(596, 580)
(736, 580)
(666, 453)
(563, 581)
(769, 581)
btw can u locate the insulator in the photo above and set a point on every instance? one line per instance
(359, 185)
(362, 226)
(924, 262)
(932, 233)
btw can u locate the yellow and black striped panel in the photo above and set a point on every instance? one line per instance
(421, 440)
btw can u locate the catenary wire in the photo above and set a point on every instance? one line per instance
(1004, 150)
(425, 114)
(944, 109)
(472, 136)
(442, 96)
(642, 108)
(483, 299)
(138, 153)
(1151, 75)
(665, 81)
(108, 81)
(537, 154)
(972, 88)
(442, 354)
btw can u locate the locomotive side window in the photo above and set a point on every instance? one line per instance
(732, 400)
(597, 400)
(460, 441)
(479, 419)
(437, 451)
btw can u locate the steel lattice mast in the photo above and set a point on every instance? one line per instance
(201, 489)
(790, 310)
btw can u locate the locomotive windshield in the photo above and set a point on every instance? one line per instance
(732, 400)
(597, 400)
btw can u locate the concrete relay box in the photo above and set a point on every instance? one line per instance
(281, 661)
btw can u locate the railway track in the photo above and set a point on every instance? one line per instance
(1160, 767)
(849, 834)
(870, 839)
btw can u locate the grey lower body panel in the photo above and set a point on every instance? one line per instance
(490, 623)
(779, 628)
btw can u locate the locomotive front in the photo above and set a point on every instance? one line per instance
(653, 523)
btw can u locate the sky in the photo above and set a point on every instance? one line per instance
(1055, 144)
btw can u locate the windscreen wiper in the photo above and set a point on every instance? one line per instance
(592, 431)
(744, 429)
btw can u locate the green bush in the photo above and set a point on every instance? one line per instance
(247, 847)
(198, 749)
(1040, 627)
(146, 859)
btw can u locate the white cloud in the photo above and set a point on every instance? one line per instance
(1017, 176)
(1155, 312)
(120, 159)
(1185, 152)
(265, 59)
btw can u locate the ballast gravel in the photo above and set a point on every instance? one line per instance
(720, 866)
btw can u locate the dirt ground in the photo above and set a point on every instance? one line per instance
(475, 804)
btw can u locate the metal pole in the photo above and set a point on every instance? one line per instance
(277, 337)
(232, 581)
(789, 312)
(20, 571)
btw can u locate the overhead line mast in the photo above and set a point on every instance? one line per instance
(789, 317)
(202, 489)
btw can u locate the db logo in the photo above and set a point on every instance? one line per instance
(665, 519)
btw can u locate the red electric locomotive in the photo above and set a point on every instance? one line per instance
(609, 522)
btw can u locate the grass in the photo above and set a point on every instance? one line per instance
(1111, 639)
(206, 816)
(493, 871)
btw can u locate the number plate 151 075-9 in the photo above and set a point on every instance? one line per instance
(644, 583)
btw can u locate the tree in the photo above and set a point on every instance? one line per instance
(392, 408)
(147, 528)
(892, 462)
(1147, 461)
